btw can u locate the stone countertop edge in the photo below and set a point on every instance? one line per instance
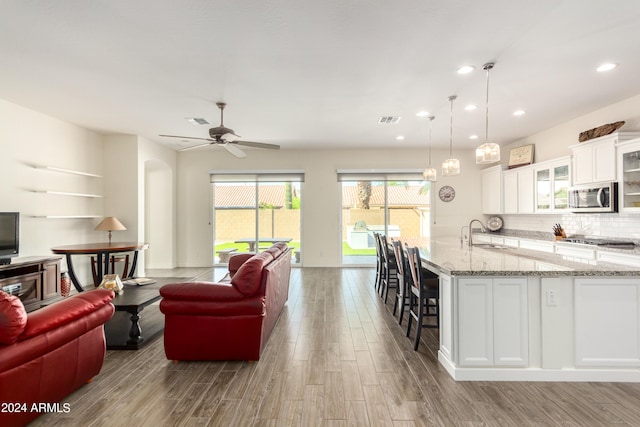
(448, 257)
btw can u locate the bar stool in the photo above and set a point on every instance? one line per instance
(379, 260)
(404, 278)
(423, 297)
(389, 269)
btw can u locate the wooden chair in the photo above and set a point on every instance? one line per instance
(112, 261)
(404, 278)
(389, 269)
(379, 260)
(423, 297)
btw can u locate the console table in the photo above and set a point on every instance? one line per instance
(102, 251)
(35, 280)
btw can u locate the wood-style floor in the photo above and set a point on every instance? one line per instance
(337, 357)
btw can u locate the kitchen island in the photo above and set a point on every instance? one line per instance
(511, 314)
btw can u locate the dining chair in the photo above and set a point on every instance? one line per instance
(404, 278)
(379, 260)
(423, 297)
(389, 268)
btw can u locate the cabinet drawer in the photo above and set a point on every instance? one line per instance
(537, 245)
(585, 253)
(619, 258)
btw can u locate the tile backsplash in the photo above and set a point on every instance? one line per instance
(619, 225)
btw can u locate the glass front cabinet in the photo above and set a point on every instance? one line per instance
(553, 179)
(629, 176)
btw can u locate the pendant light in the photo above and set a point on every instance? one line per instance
(451, 166)
(430, 173)
(488, 152)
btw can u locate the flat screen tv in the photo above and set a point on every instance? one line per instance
(9, 236)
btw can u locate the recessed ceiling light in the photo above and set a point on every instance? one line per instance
(399, 137)
(518, 113)
(466, 69)
(473, 137)
(422, 114)
(606, 67)
(470, 107)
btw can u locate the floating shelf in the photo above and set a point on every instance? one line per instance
(632, 194)
(68, 216)
(74, 172)
(632, 170)
(66, 193)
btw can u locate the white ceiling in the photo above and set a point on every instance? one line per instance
(317, 74)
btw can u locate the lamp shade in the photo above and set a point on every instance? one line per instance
(110, 223)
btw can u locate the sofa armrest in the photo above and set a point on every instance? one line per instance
(200, 291)
(236, 261)
(65, 311)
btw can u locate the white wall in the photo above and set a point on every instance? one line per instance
(28, 139)
(320, 195)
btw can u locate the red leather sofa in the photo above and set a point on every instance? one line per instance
(47, 354)
(230, 320)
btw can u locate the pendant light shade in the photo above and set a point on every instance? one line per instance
(430, 173)
(488, 152)
(451, 166)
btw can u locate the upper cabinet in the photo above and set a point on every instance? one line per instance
(518, 187)
(629, 175)
(552, 181)
(492, 190)
(595, 160)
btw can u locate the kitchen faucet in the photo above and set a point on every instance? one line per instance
(470, 231)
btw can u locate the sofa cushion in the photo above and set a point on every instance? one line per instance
(13, 318)
(248, 278)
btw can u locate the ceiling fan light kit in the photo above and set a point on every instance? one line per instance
(451, 166)
(226, 137)
(488, 152)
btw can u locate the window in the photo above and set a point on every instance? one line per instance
(393, 203)
(251, 210)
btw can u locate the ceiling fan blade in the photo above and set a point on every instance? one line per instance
(230, 137)
(188, 137)
(235, 151)
(257, 145)
(195, 146)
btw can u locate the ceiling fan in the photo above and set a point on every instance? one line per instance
(226, 137)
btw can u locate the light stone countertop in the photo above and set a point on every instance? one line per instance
(451, 258)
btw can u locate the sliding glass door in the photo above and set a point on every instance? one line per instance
(252, 211)
(394, 204)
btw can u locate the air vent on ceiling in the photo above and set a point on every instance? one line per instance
(389, 120)
(197, 121)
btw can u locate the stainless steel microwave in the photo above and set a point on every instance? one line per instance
(598, 197)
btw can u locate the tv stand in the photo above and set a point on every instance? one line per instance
(35, 280)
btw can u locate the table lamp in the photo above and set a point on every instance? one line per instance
(110, 224)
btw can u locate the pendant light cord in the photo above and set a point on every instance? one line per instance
(451, 98)
(487, 67)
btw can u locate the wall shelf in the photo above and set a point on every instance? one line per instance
(70, 171)
(66, 193)
(67, 216)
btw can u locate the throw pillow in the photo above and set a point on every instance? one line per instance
(13, 318)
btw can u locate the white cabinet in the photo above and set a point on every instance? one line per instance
(629, 175)
(492, 190)
(607, 322)
(493, 321)
(518, 190)
(595, 160)
(552, 181)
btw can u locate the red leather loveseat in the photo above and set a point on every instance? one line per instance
(230, 320)
(47, 354)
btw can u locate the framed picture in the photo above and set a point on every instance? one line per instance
(521, 156)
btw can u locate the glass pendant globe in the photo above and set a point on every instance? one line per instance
(430, 174)
(451, 167)
(488, 153)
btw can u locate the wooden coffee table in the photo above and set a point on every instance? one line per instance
(127, 329)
